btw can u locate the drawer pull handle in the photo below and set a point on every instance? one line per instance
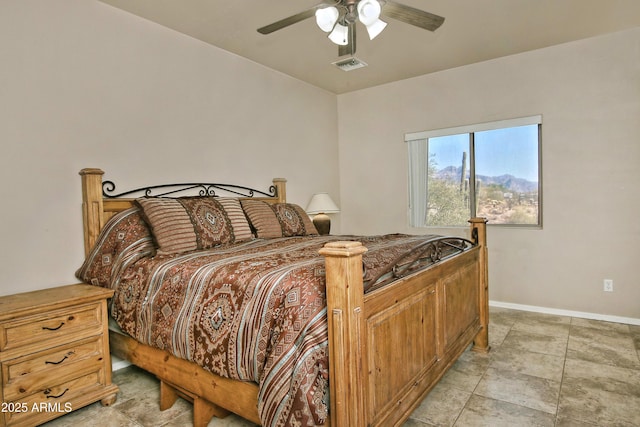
(47, 391)
(53, 329)
(59, 362)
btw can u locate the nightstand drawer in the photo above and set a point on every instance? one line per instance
(43, 330)
(29, 374)
(59, 398)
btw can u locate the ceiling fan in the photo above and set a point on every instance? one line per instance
(338, 19)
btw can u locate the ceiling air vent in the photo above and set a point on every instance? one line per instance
(349, 64)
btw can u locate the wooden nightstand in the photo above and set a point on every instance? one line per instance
(54, 353)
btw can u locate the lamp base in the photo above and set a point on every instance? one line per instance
(322, 223)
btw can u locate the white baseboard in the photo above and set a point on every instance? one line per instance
(117, 363)
(581, 314)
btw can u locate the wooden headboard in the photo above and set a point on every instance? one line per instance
(99, 203)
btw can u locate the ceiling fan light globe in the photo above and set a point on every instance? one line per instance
(326, 18)
(369, 11)
(376, 28)
(340, 35)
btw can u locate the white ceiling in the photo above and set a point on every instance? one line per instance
(473, 31)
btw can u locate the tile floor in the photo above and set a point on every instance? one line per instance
(543, 370)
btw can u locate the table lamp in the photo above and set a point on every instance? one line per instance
(319, 206)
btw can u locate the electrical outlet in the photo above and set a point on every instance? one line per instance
(608, 285)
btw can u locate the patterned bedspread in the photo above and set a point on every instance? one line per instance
(253, 311)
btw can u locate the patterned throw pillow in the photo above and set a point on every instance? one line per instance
(294, 220)
(123, 240)
(278, 220)
(191, 223)
(262, 218)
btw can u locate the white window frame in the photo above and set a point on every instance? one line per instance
(418, 165)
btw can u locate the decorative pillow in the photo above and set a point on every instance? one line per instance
(123, 240)
(278, 220)
(262, 218)
(190, 223)
(294, 220)
(239, 223)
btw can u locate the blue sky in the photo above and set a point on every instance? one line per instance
(511, 151)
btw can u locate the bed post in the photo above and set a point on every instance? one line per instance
(92, 206)
(347, 355)
(281, 189)
(479, 235)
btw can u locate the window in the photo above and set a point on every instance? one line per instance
(490, 170)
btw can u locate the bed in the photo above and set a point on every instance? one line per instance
(364, 343)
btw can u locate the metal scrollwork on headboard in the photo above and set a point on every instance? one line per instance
(202, 189)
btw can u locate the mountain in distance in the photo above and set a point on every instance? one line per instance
(510, 182)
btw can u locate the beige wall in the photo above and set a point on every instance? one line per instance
(88, 85)
(84, 84)
(589, 95)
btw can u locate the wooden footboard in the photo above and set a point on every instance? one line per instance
(390, 347)
(387, 348)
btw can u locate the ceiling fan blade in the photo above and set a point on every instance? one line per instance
(411, 15)
(278, 25)
(350, 47)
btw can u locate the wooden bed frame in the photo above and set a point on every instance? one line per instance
(387, 348)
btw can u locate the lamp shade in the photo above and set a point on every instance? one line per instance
(326, 18)
(376, 28)
(321, 203)
(340, 35)
(369, 15)
(368, 11)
